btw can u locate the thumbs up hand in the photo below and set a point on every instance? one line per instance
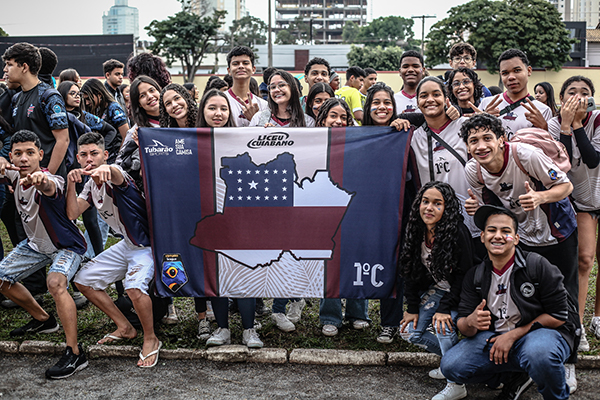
(471, 204)
(480, 319)
(530, 200)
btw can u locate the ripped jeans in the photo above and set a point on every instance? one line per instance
(437, 343)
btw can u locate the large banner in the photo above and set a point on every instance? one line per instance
(275, 212)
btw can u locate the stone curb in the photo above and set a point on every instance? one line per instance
(239, 353)
(337, 357)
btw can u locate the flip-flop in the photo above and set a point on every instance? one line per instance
(143, 358)
(112, 338)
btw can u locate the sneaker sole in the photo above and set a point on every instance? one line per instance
(524, 388)
(385, 341)
(254, 345)
(50, 330)
(82, 366)
(218, 344)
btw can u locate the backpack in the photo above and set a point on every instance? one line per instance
(159, 307)
(542, 140)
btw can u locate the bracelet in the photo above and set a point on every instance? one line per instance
(568, 133)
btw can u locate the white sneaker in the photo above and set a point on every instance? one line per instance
(251, 339)
(329, 330)
(283, 322)
(584, 345)
(436, 374)
(595, 327)
(203, 329)
(295, 310)
(171, 317)
(570, 377)
(452, 391)
(219, 337)
(360, 324)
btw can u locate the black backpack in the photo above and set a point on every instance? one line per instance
(159, 307)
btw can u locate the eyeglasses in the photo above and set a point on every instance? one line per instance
(279, 86)
(464, 82)
(458, 59)
(74, 94)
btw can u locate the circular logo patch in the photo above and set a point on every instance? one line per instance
(527, 289)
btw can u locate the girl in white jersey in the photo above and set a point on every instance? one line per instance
(215, 112)
(579, 130)
(284, 104)
(434, 260)
(436, 160)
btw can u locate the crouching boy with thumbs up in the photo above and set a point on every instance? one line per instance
(514, 309)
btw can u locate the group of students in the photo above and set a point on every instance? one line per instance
(477, 194)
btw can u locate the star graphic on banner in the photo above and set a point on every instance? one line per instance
(252, 184)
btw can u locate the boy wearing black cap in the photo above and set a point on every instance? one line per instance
(516, 315)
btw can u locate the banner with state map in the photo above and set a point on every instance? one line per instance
(275, 212)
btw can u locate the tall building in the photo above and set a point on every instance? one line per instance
(328, 16)
(588, 11)
(121, 19)
(564, 8)
(236, 9)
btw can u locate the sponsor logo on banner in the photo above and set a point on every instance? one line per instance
(158, 149)
(276, 139)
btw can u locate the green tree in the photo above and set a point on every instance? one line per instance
(248, 31)
(3, 32)
(380, 59)
(185, 37)
(388, 31)
(285, 37)
(351, 32)
(533, 26)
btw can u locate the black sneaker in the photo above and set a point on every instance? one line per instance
(68, 364)
(518, 384)
(34, 326)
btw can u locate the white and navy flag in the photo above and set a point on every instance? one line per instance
(275, 212)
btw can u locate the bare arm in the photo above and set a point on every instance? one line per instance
(75, 205)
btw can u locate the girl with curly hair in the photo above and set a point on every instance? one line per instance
(436, 256)
(465, 87)
(177, 107)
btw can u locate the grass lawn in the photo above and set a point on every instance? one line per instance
(93, 324)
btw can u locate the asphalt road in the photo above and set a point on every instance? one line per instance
(104, 379)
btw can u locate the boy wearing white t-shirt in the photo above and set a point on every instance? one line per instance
(122, 206)
(243, 104)
(516, 108)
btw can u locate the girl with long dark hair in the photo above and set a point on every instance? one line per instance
(434, 260)
(103, 105)
(579, 130)
(544, 93)
(317, 95)
(214, 110)
(284, 104)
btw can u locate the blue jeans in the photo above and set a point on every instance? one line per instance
(279, 305)
(440, 342)
(541, 353)
(23, 261)
(221, 309)
(330, 311)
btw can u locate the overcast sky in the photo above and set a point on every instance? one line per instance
(77, 17)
